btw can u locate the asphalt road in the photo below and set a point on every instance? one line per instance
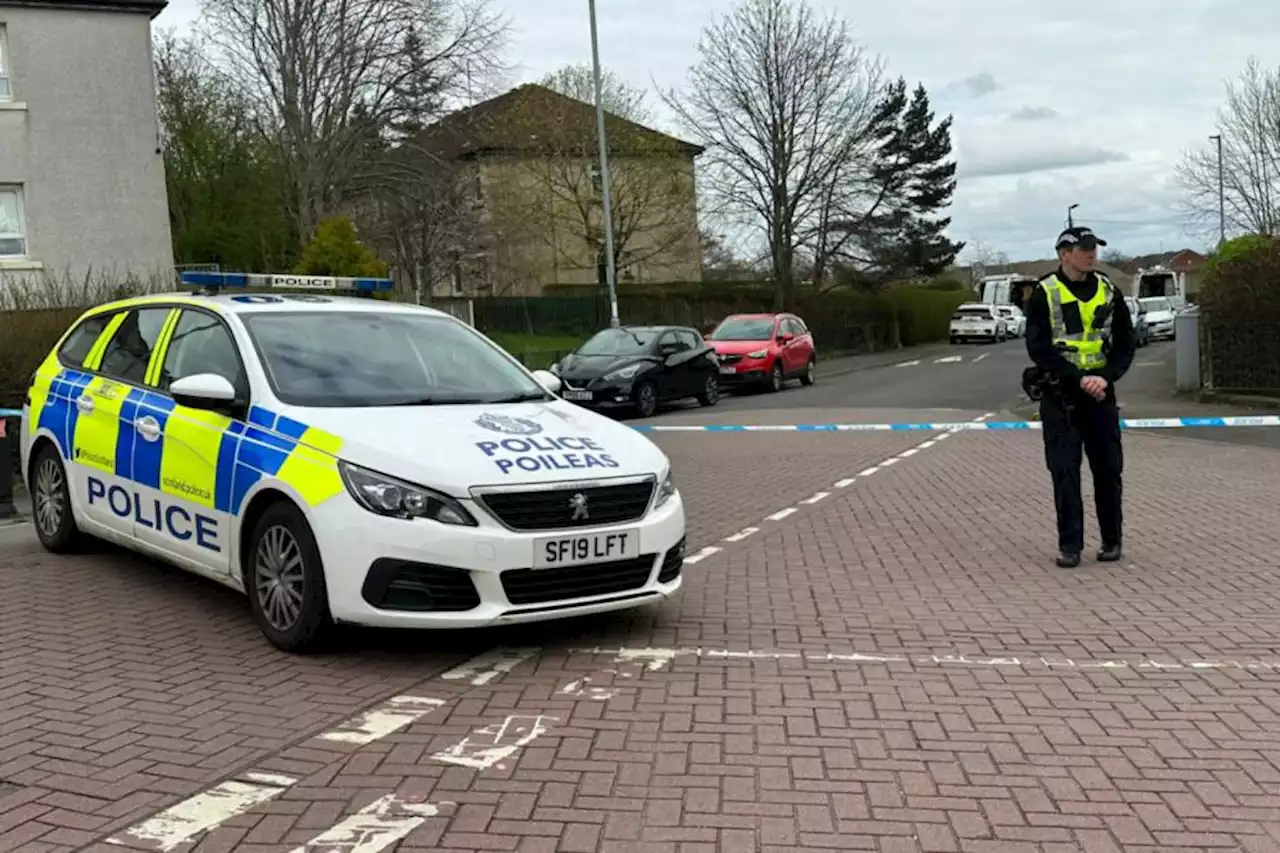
(935, 380)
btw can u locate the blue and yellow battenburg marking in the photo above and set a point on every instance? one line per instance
(202, 457)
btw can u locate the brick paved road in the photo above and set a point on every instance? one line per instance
(894, 667)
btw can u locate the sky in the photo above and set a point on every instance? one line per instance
(1091, 103)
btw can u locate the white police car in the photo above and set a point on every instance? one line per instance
(343, 460)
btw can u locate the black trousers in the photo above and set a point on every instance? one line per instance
(1094, 427)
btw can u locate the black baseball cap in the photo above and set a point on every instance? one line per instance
(1078, 237)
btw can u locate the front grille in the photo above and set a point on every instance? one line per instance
(419, 587)
(554, 509)
(672, 563)
(537, 586)
(730, 359)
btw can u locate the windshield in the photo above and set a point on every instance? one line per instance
(619, 342)
(744, 329)
(1157, 303)
(360, 358)
(977, 311)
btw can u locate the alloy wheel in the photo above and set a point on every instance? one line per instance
(49, 501)
(278, 577)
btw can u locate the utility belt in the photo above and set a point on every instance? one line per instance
(1036, 381)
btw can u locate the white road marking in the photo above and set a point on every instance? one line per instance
(817, 496)
(396, 713)
(981, 357)
(660, 658)
(907, 363)
(925, 445)
(846, 483)
(579, 689)
(891, 461)
(950, 359)
(486, 746)
(869, 471)
(907, 454)
(742, 534)
(702, 555)
(482, 669)
(374, 828)
(182, 822)
(781, 514)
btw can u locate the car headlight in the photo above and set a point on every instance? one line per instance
(760, 353)
(624, 372)
(666, 490)
(388, 496)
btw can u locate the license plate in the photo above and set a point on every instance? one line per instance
(728, 370)
(576, 395)
(588, 548)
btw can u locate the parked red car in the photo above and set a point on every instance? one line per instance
(763, 349)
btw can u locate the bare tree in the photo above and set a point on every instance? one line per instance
(321, 71)
(619, 97)
(1249, 123)
(784, 103)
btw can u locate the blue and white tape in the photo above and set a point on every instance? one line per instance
(1127, 423)
(10, 413)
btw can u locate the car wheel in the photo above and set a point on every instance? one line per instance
(284, 576)
(710, 394)
(954, 340)
(810, 375)
(775, 378)
(55, 523)
(646, 396)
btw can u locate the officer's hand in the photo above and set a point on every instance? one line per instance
(1094, 386)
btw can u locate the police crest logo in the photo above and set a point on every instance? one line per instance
(508, 425)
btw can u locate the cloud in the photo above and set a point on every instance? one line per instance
(989, 164)
(1033, 114)
(975, 85)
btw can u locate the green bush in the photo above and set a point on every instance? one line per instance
(336, 250)
(1239, 299)
(923, 315)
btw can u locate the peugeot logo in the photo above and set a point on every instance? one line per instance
(578, 503)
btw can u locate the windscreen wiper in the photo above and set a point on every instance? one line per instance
(518, 398)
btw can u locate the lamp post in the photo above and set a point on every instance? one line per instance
(610, 270)
(1222, 202)
(1070, 221)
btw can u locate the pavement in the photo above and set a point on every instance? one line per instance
(872, 652)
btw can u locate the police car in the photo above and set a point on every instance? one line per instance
(343, 460)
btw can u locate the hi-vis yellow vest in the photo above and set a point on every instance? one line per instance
(1083, 349)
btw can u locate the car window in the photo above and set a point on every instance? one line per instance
(799, 326)
(619, 342)
(744, 329)
(76, 348)
(202, 344)
(690, 337)
(672, 340)
(129, 351)
(974, 311)
(370, 358)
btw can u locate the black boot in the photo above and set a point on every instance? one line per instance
(1068, 559)
(1109, 553)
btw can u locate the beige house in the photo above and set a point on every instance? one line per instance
(82, 188)
(532, 203)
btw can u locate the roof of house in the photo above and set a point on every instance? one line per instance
(1184, 260)
(150, 7)
(1036, 269)
(535, 119)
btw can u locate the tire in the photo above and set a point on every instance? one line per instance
(283, 546)
(646, 399)
(954, 340)
(775, 378)
(710, 392)
(810, 375)
(51, 512)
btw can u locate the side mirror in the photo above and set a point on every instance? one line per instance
(549, 381)
(786, 337)
(203, 391)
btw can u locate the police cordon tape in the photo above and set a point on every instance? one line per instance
(1126, 423)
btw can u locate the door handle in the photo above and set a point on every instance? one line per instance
(148, 427)
(84, 403)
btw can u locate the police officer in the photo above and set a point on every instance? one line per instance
(1066, 319)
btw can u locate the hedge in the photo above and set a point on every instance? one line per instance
(1239, 301)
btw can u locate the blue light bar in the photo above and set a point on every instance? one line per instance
(284, 282)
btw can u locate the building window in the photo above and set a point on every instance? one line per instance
(6, 91)
(13, 232)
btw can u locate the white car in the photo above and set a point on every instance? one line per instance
(978, 320)
(1160, 315)
(344, 460)
(1015, 320)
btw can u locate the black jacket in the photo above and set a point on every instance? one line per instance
(1040, 334)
